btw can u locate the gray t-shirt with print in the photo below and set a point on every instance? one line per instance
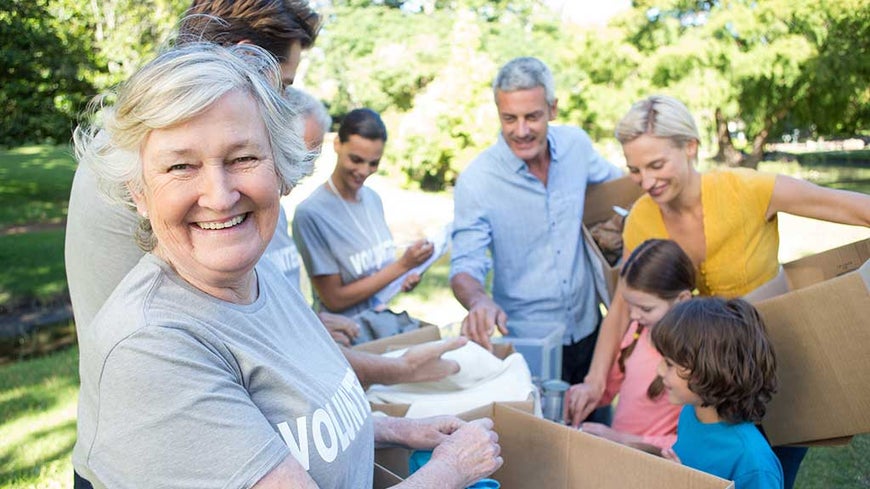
(346, 238)
(180, 389)
(282, 251)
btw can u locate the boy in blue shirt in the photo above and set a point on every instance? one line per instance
(719, 363)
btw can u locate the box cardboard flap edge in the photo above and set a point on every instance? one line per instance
(598, 207)
(540, 453)
(817, 314)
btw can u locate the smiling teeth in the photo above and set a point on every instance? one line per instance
(222, 225)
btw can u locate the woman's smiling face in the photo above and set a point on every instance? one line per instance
(211, 191)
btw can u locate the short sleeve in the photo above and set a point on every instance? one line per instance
(643, 222)
(755, 185)
(312, 244)
(163, 384)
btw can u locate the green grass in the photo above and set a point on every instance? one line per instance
(31, 268)
(38, 409)
(34, 184)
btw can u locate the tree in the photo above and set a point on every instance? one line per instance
(777, 60)
(42, 85)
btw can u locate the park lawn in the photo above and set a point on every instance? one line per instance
(32, 268)
(34, 184)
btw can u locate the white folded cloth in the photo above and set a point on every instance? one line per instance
(482, 379)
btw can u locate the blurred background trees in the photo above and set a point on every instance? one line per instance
(752, 72)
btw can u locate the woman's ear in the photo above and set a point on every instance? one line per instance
(138, 200)
(683, 296)
(692, 150)
(336, 143)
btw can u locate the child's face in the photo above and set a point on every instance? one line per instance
(645, 308)
(676, 383)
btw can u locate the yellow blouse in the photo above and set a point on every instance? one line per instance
(742, 246)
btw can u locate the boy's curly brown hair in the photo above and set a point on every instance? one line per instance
(725, 347)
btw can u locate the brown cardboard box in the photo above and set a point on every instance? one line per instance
(818, 316)
(384, 478)
(423, 335)
(540, 453)
(600, 199)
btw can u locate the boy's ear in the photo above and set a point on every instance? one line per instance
(684, 296)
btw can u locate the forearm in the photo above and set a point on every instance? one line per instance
(435, 473)
(467, 290)
(375, 369)
(613, 328)
(338, 297)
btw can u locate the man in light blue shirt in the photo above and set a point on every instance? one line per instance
(518, 210)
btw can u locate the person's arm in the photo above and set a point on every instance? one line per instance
(806, 199)
(337, 296)
(582, 399)
(342, 329)
(484, 315)
(421, 363)
(650, 444)
(289, 473)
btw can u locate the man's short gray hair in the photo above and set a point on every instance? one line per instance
(525, 73)
(309, 107)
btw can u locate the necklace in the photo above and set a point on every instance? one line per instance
(349, 211)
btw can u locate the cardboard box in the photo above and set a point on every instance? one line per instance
(540, 453)
(384, 478)
(817, 313)
(600, 199)
(423, 335)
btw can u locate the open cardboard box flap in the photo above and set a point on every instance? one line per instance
(600, 199)
(817, 313)
(540, 453)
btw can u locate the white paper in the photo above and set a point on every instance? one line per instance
(441, 242)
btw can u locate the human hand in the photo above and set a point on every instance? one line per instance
(603, 431)
(423, 363)
(472, 452)
(410, 282)
(482, 319)
(417, 254)
(671, 455)
(427, 433)
(580, 400)
(342, 329)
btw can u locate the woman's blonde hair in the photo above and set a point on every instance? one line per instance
(175, 87)
(660, 116)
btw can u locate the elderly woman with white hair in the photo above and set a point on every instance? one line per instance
(200, 371)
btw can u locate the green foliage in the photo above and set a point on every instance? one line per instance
(41, 74)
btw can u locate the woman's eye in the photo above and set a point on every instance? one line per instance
(179, 167)
(245, 159)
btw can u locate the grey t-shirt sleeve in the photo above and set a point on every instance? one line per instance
(313, 245)
(163, 384)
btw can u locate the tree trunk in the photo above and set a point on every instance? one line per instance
(727, 153)
(753, 159)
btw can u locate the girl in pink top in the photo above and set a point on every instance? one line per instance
(656, 276)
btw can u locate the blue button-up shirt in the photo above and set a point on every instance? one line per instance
(506, 220)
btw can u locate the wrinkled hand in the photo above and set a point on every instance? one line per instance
(580, 400)
(671, 455)
(472, 451)
(428, 433)
(410, 282)
(417, 254)
(423, 363)
(483, 317)
(342, 329)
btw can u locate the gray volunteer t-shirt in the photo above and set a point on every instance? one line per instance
(180, 389)
(282, 251)
(347, 238)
